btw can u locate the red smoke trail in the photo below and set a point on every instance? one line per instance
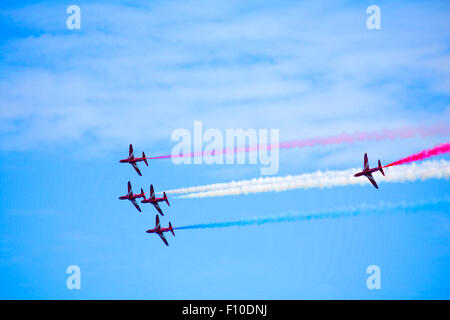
(440, 149)
(380, 135)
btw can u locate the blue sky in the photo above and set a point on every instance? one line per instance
(72, 100)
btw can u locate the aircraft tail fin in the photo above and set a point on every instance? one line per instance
(145, 158)
(171, 229)
(142, 192)
(380, 167)
(165, 199)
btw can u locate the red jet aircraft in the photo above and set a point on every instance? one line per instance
(160, 231)
(154, 201)
(368, 172)
(130, 196)
(133, 161)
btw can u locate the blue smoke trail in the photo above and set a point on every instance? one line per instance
(364, 209)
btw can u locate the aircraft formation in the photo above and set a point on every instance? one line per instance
(151, 199)
(367, 172)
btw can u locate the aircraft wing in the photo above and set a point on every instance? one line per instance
(158, 208)
(157, 225)
(130, 191)
(136, 168)
(163, 238)
(131, 153)
(135, 204)
(366, 162)
(371, 179)
(152, 192)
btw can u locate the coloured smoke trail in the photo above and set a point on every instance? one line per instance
(383, 207)
(319, 179)
(440, 149)
(380, 135)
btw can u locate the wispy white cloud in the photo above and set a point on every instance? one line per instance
(135, 73)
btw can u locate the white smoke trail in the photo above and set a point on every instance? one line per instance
(225, 185)
(319, 179)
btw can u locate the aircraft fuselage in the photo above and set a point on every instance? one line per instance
(366, 172)
(155, 200)
(130, 197)
(158, 230)
(128, 160)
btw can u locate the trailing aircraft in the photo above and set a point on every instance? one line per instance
(367, 171)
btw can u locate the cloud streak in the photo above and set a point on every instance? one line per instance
(134, 73)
